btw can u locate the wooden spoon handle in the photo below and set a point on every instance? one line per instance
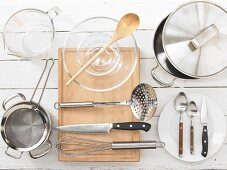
(192, 139)
(180, 139)
(90, 61)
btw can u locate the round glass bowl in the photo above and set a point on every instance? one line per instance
(29, 33)
(112, 68)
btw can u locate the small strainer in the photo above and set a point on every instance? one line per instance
(143, 102)
(26, 125)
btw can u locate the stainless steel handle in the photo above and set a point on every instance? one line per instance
(73, 104)
(203, 37)
(155, 77)
(12, 156)
(35, 156)
(137, 145)
(8, 99)
(45, 83)
(88, 104)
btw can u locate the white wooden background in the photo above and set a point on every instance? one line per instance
(21, 76)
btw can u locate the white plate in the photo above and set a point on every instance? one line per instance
(168, 129)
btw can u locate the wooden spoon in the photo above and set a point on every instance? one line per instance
(125, 27)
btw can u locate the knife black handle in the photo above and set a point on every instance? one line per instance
(132, 126)
(204, 142)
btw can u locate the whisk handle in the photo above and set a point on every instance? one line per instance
(137, 145)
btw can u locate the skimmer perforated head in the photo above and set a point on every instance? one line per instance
(24, 128)
(143, 102)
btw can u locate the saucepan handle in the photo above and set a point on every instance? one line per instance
(155, 77)
(35, 156)
(8, 99)
(13, 156)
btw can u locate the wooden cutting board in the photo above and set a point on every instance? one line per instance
(105, 114)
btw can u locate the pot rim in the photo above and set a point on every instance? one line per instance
(45, 117)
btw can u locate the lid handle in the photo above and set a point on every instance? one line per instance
(203, 37)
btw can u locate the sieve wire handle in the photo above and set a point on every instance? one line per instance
(35, 156)
(12, 156)
(8, 99)
(48, 74)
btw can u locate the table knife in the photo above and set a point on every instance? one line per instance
(104, 127)
(204, 123)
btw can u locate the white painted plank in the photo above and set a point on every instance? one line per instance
(144, 39)
(77, 11)
(150, 12)
(25, 74)
(164, 95)
(147, 64)
(48, 100)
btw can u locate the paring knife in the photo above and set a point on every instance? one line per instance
(205, 132)
(104, 127)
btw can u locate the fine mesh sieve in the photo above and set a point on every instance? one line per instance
(26, 125)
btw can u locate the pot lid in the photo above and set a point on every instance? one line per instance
(195, 39)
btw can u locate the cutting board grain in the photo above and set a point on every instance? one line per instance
(73, 93)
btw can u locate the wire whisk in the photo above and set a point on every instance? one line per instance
(73, 146)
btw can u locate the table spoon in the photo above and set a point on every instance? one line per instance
(192, 112)
(181, 104)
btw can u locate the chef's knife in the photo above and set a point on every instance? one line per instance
(205, 132)
(104, 127)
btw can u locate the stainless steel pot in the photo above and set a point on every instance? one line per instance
(191, 42)
(26, 126)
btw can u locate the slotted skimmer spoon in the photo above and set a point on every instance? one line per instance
(143, 102)
(72, 146)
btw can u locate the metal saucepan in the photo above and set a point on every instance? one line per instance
(26, 126)
(190, 43)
